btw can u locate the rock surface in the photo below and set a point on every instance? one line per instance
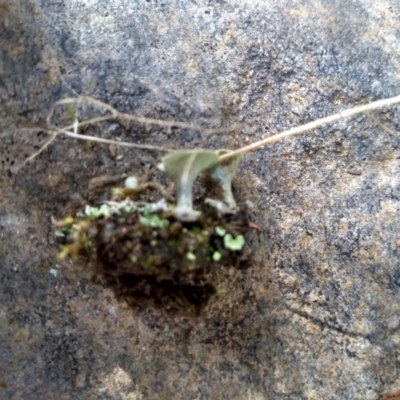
(318, 314)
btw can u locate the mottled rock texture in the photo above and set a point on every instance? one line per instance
(318, 314)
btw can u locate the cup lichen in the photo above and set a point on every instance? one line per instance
(183, 168)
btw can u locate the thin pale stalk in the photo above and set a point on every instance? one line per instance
(144, 120)
(109, 141)
(32, 156)
(313, 125)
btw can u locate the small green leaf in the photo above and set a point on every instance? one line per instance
(233, 243)
(153, 221)
(216, 256)
(220, 230)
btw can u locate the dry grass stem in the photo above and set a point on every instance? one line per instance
(110, 141)
(115, 114)
(53, 135)
(313, 125)
(54, 131)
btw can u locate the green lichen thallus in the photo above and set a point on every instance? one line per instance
(164, 252)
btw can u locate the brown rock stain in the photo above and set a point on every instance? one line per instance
(392, 394)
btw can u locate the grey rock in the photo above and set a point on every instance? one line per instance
(317, 314)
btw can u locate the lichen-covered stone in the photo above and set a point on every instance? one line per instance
(317, 314)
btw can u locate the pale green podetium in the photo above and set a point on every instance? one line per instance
(216, 256)
(222, 174)
(133, 259)
(233, 244)
(183, 168)
(191, 256)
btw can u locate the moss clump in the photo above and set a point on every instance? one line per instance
(147, 255)
(163, 252)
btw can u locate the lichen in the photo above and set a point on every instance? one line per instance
(222, 174)
(183, 168)
(153, 220)
(220, 231)
(234, 244)
(161, 251)
(131, 182)
(150, 255)
(216, 256)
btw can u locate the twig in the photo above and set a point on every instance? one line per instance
(54, 131)
(109, 141)
(313, 125)
(115, 114)
(34, 155)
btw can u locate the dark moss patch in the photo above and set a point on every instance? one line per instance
(152, 257)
